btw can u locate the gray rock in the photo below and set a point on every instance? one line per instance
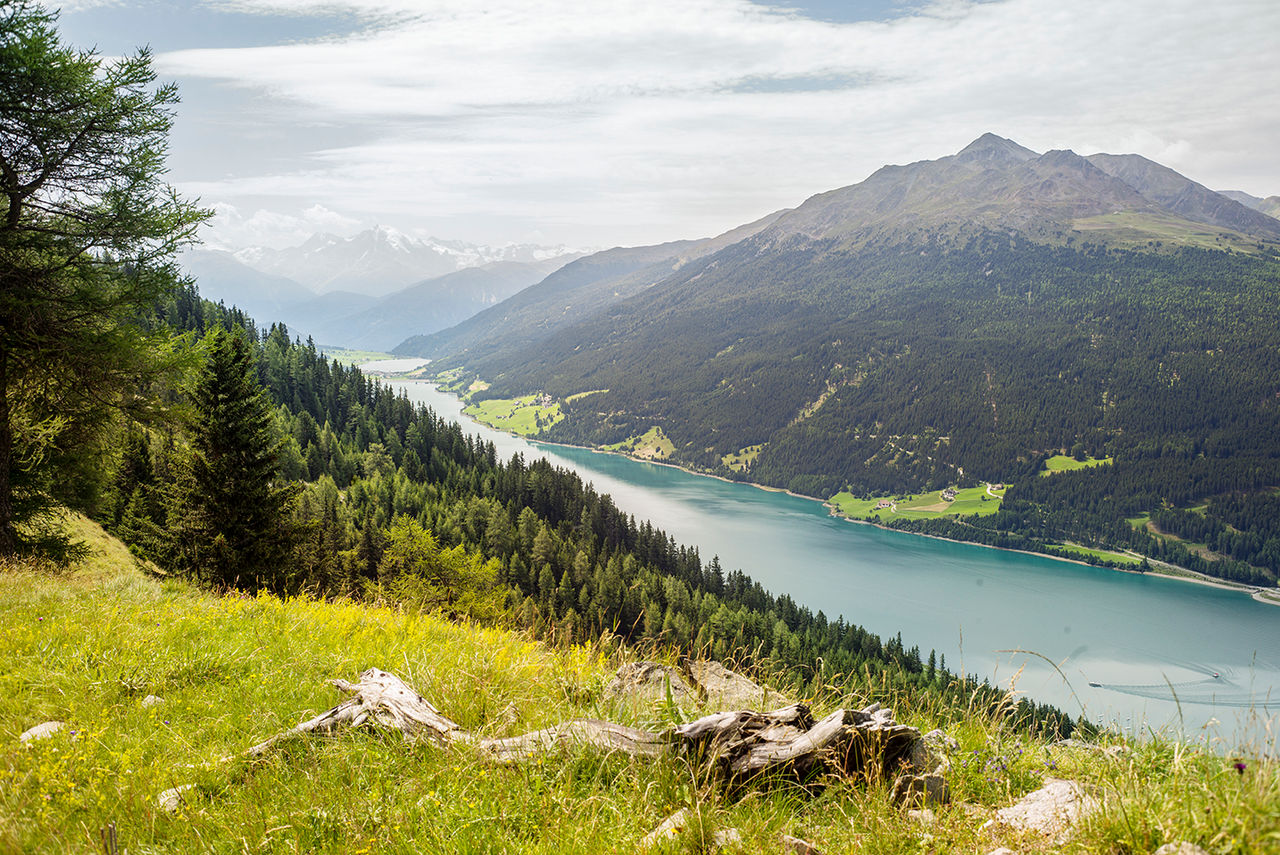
(674, 825)
(41, 731)
(726, 837)
(171, 800)
(152, 700)
(929, 753)
(939, 741)
(796, 846)
(649, 681)
(921, 790)
(924, 815)
(1183, 848)
(1051, 811)
(1003, 850)
(725, 690)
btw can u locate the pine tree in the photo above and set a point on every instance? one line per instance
(230, 517)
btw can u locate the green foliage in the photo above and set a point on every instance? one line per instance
(88, 232)
(415, 571)
(229, 513)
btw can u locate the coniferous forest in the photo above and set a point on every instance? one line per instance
(916, 363)
(375, 498)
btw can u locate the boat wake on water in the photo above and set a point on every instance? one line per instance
(1215, 689)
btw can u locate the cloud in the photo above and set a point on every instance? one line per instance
(229, 229)
(705, 113)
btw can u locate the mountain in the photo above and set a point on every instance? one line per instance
(1184, 196)
(940, 321)
(224, 278)
(1269, 206)
(381, 260)
(570, 294)
(432, 304)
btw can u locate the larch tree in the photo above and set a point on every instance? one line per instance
(88, 235)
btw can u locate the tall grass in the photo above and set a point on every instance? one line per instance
(87, 647)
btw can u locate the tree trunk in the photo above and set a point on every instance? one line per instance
(8, 535)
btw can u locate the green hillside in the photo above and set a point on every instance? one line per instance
(87, 647)
(953, 322)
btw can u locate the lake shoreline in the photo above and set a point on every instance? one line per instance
(1198, 579)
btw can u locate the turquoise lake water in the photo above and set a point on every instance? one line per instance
(1144, 640)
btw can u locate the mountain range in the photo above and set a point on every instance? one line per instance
(939, 321)
(371, 290)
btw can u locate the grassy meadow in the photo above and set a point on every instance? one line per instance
(517, 415)
(971, 500)
(742, 459)
(85, 647)
(653, 444)
(1066, 463)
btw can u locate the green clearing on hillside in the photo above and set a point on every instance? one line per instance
(653, 444)
(1071, 550)
(971, 500)
(86, 647)
(1066, 463)
(1139, 521)
(742, 459)
(580, 395)
(523, 416)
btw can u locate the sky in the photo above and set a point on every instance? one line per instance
(594, 123)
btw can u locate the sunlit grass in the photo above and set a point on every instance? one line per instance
(1066, 463)
(653, 443)
(980, 500)
(523, 416)
(87, 647)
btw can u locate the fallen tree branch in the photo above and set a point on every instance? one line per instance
(735, 746)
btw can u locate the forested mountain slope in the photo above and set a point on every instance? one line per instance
(570, 294)
(941, 323)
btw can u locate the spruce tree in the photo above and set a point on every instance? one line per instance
(230, 518)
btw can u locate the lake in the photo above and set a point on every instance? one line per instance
(1143, 639)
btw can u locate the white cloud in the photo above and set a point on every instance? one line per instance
(229, 229)
(668, 118)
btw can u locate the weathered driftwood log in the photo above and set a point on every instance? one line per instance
(734, 746)
(379, 696)
(579, 732)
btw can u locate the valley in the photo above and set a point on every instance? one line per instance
(978, 318)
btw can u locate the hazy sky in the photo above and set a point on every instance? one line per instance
(594, 123)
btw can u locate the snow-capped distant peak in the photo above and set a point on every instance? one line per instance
(395, 238)
(250, 255)
(382, 259)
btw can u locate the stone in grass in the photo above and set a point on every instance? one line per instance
(674, 825)
(171, 800)
(929, 753)
(1183, 848)
(1050, 811)
(796, 846)
(726, 690)
(1003, 850)
(920, 790)
(669, 829)
(650, 681)
(41, 731)
(151, 701)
